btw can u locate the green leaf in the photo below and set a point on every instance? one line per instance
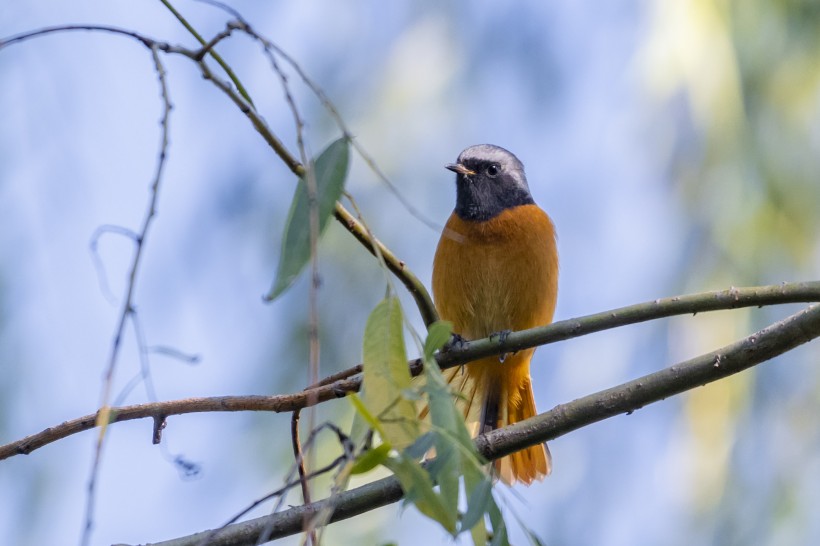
(445, 416)
(330, 172)
(386, 375)
(456, 456)
(479, 534)
(421, 446)
(438, 334)
(499, 527)
(477, 505)
(365, 413)
(370, 459)
(418, 490)
(445, 470)
(475, 479)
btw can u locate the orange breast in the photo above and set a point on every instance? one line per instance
(497, 275)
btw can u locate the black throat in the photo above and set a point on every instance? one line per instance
(479, 198)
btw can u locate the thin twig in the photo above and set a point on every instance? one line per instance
(225, 66)
(340, 122)
(299, 457)
(356, 228)
(413, 285)
(99, 266)
(344, 374)
(211, 537)
(242, 100)
(17, 38)
(312, 192)
(104, 415)
(290, 483)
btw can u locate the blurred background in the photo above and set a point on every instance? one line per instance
(675, 143)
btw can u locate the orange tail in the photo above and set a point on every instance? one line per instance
(494, 395)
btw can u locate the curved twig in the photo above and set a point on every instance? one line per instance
(241, 99)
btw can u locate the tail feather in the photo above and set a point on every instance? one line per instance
(490, 410)
(534, 462)
(491, 400)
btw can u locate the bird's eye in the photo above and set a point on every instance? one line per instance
(492, 170)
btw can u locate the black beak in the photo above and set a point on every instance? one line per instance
(459, 169)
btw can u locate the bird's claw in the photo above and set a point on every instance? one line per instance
(502, 336)
(502, 339)
(455, 343)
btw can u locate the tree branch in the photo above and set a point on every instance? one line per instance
(761, 346)
(161, 410)
(733, 298)
(241, 99)
(416, 288)
(339, 384)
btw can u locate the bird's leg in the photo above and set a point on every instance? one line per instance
(502, 338)
(456, 343)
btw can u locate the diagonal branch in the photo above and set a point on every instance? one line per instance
(761, 346)
(718, 300)
(239, 96)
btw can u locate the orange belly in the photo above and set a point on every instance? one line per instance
(497, 275)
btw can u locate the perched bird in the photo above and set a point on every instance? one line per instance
(496, 270)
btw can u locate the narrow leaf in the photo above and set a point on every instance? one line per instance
(475, 479)
(499, 526)
(421, 446)
(418, 489)
(386, 376)
(477, 505)
(370, 459)
(330, 173)
(438, 334)
(364, 413)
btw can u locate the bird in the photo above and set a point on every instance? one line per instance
(495, 270)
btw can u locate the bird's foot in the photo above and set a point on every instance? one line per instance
(502, 339)
(502, 336)
(455, 343)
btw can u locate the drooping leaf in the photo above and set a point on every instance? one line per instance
(330, 172)
(437, 335)
(421, 446)
(418, 490)
(386, 375)
(445, 416)
(474, 481)
(478, 503)
(456, 457)
(499, 526)
(479, 534)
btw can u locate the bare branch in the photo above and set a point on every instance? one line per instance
(104, 414)
(733, 298)
(339, 384)
(768, 343)
(148, 42)
(161, 410)
(208, 47)
(240, 97)
(416, 288)
(300, 466)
